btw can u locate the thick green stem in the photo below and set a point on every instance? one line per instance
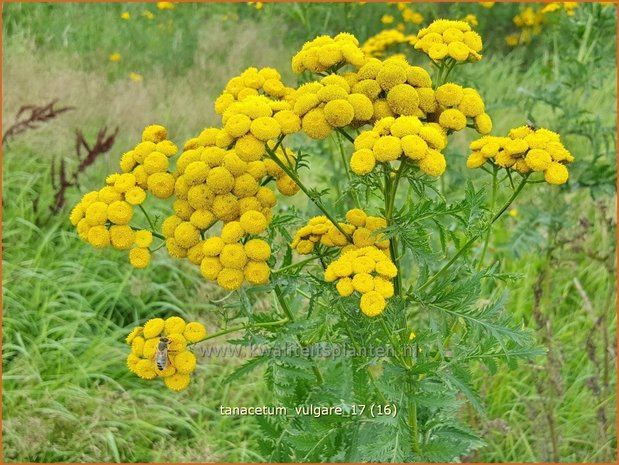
(306, 191)
(412, 421)
(286, 309)
(391, 188)
(470, 242)
(492, 202)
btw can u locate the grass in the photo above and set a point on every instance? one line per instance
(67, 394)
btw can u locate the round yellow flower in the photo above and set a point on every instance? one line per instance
(143, 238)
(390, 75)
(363, 282)
(210, 267)
(387, 148)
(418, 77)
(154, 133)
(414, 147)
(230, 279)
(339, 113)
(403, 99)
(220, 180)
(452, 119)
(483, 123)
(475, 160)
(253, 222)
(356, 217)
(438, 51)
(556, 174)
(362, 162)
(233, 256)
(287, 186)
(194, 332)
(145, 370)
(257, 249)
(108, 195)
(344, 287)
(315, 124)
(122, 237)
(384, 287)
(174, 325)
(161, 185)
(237, 125)
(256, 272)
(155, 162)
(449, 95)
(196, 173)
(139, 257)
(99, 237)
(289, 121)
(185, 362)
(135, 332)
(362, 106)
(124, 182)
(458, 51)
(96, 213)
(265, 128)
(177, 382)
(538, 159)
(186, 235)
(135, 196)
(153, 328)
(386, 268)
(433, 163)
(372, 303)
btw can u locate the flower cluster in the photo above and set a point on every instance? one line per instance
(529, 21)
(367, 271)
(377, 44)
(102, 217)
(329, 104)
(159, 349)
(405, 137)
(230, 262)
(252, 82)
(456, 104)
(359, 226)
(396, 88)
(325, 53)
(524, 150)
(409, 15)
(449, 39)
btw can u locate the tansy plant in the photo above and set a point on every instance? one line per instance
(391, 263)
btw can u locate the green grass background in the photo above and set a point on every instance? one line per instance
(67, 395)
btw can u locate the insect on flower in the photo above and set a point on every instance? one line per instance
(161, 356)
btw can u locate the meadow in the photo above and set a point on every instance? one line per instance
(67, 308)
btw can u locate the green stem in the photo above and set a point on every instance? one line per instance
(154, 233)
(346, 135)
(282, 302)
(353, 194)
(394, 343)
(306, 191)
(150, 223)
(242, 327)
(412, 420)
(293, 265)
(465, 247)
(391, 187)
(492, 202)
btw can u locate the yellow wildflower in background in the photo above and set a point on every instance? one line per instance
(148, 14)
(125, 15)
(387, 19)
(471, 19)
(487, 4)
(165, 5)
(135, 77)
(115, 57)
